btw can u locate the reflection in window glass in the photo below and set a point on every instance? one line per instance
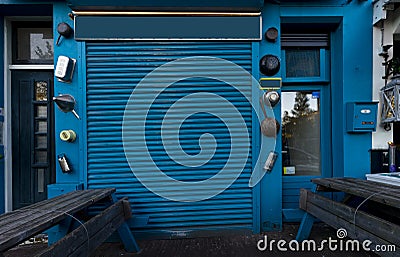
(301, 133)
(35, 45)
(302, 63)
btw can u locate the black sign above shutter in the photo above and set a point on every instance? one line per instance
(167, 27)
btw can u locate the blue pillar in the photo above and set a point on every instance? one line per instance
(271, 184)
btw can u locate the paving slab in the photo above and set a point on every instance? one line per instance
(232, 245)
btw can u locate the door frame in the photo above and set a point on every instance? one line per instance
(8, 66)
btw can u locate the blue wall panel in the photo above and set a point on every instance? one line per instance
(357, 82)
(65, 121)
(271, 184)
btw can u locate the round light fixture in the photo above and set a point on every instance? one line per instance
(269, 64)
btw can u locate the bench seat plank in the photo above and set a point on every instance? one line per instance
(45, 214)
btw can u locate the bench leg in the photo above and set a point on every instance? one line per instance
(125, 234)
(306, 223)
(127, 238)
(305, 227)
(59, 231)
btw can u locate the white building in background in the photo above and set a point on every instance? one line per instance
(386, 32)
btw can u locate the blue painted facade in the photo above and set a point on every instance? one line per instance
(101, 87)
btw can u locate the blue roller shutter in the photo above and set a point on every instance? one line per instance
(113, 70)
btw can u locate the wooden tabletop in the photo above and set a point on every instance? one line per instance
(21, 224)
(374, 191)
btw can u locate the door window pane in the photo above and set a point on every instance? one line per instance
(41, 90)
(41, 126)
(41, 111)
(40, 157)
(302, 63)
(33, 43)
(301, 153)
(41, 142)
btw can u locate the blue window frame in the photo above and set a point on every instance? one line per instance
(305, 65)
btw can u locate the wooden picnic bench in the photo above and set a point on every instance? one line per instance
(21, 224)
(379, 224)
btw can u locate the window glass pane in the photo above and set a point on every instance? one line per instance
(41, 157)
(41, 141)
(41, 90)
(41, 111)
(41, 126)
(40, 180)
(302, 63)
(34, 45)
(301, 133)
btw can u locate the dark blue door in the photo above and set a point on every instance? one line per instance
(32, 132)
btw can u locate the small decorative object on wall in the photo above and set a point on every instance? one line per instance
(66, 103)
(65, 68)
(270, 162)
(68, 135)
(271, 34)
(64, 30)
(62, 160)
(271, 98)
(269, 126)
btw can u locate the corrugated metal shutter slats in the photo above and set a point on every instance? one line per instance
(113, 70)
